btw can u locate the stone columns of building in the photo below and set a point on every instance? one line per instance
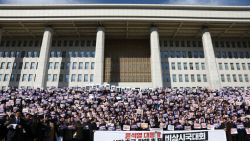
(42, 70)
(214, 78)
(156, 70)
(99, 56)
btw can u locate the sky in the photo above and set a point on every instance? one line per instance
(181, 2)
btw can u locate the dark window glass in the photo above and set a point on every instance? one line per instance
(7, 44)
(222, 44)
(36, 43)
(230, 54)
(171, 43)
(31, 43)
(71, 43)
(65, 43)
(82, 43)
(64, 54)
(93, 43)
(183, 44)
(189, 54)
(24, 43)
(76, 43)
(228, 44)
(177, 43)
(13, 43)
(59, 43)
(22, 54)
(194, 44)
(188, 44)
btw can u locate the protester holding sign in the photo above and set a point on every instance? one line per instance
(65, 112)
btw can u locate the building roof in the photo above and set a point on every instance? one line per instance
(125, 20)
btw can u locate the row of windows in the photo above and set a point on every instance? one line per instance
(19, 54)
(17, 77)
(56, 54)
(164, 54)
(75, 65)
(74, 43)
(26, 65)
(217, 44)
(71, 78)
(89, 78)
(51, 78)
(51, 65)
(92, 43)
(234, 66)
(231, 44)
(232, 54)
(233, 78)
(182, 54)
(200, 54)
(184, 66)
(57, 43)
(178, 43)
(20, 43)
(187, 78)
(64, 54)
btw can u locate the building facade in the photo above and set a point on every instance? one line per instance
(125, 45)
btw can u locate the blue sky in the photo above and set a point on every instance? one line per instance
(183, 2)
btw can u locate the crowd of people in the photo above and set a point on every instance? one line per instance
(71, 113)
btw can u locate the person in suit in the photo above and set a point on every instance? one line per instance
(247, 125)
(16, 128)
(229, 125)
(3, 128)
(78, 134)
(29, 121)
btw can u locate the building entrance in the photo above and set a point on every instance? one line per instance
(127, 61)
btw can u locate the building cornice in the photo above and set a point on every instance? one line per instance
(123, 6)
(121, 12)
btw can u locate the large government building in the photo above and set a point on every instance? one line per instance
(124, 45)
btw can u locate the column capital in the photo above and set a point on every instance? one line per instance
(153, 28)
(100, 28)
(205, 29)
(49, 28)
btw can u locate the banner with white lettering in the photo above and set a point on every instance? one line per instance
(198, 135)
(195, 135)
(186, 136)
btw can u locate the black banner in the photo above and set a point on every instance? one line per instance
(187, 136)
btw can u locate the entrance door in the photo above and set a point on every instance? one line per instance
(127, 61)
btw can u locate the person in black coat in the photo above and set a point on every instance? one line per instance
(87, 129)
(16, 128)
(229, 125)
(247, 125)
(29, 123)
(92, 128)
(3, 128)
(78, 134)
